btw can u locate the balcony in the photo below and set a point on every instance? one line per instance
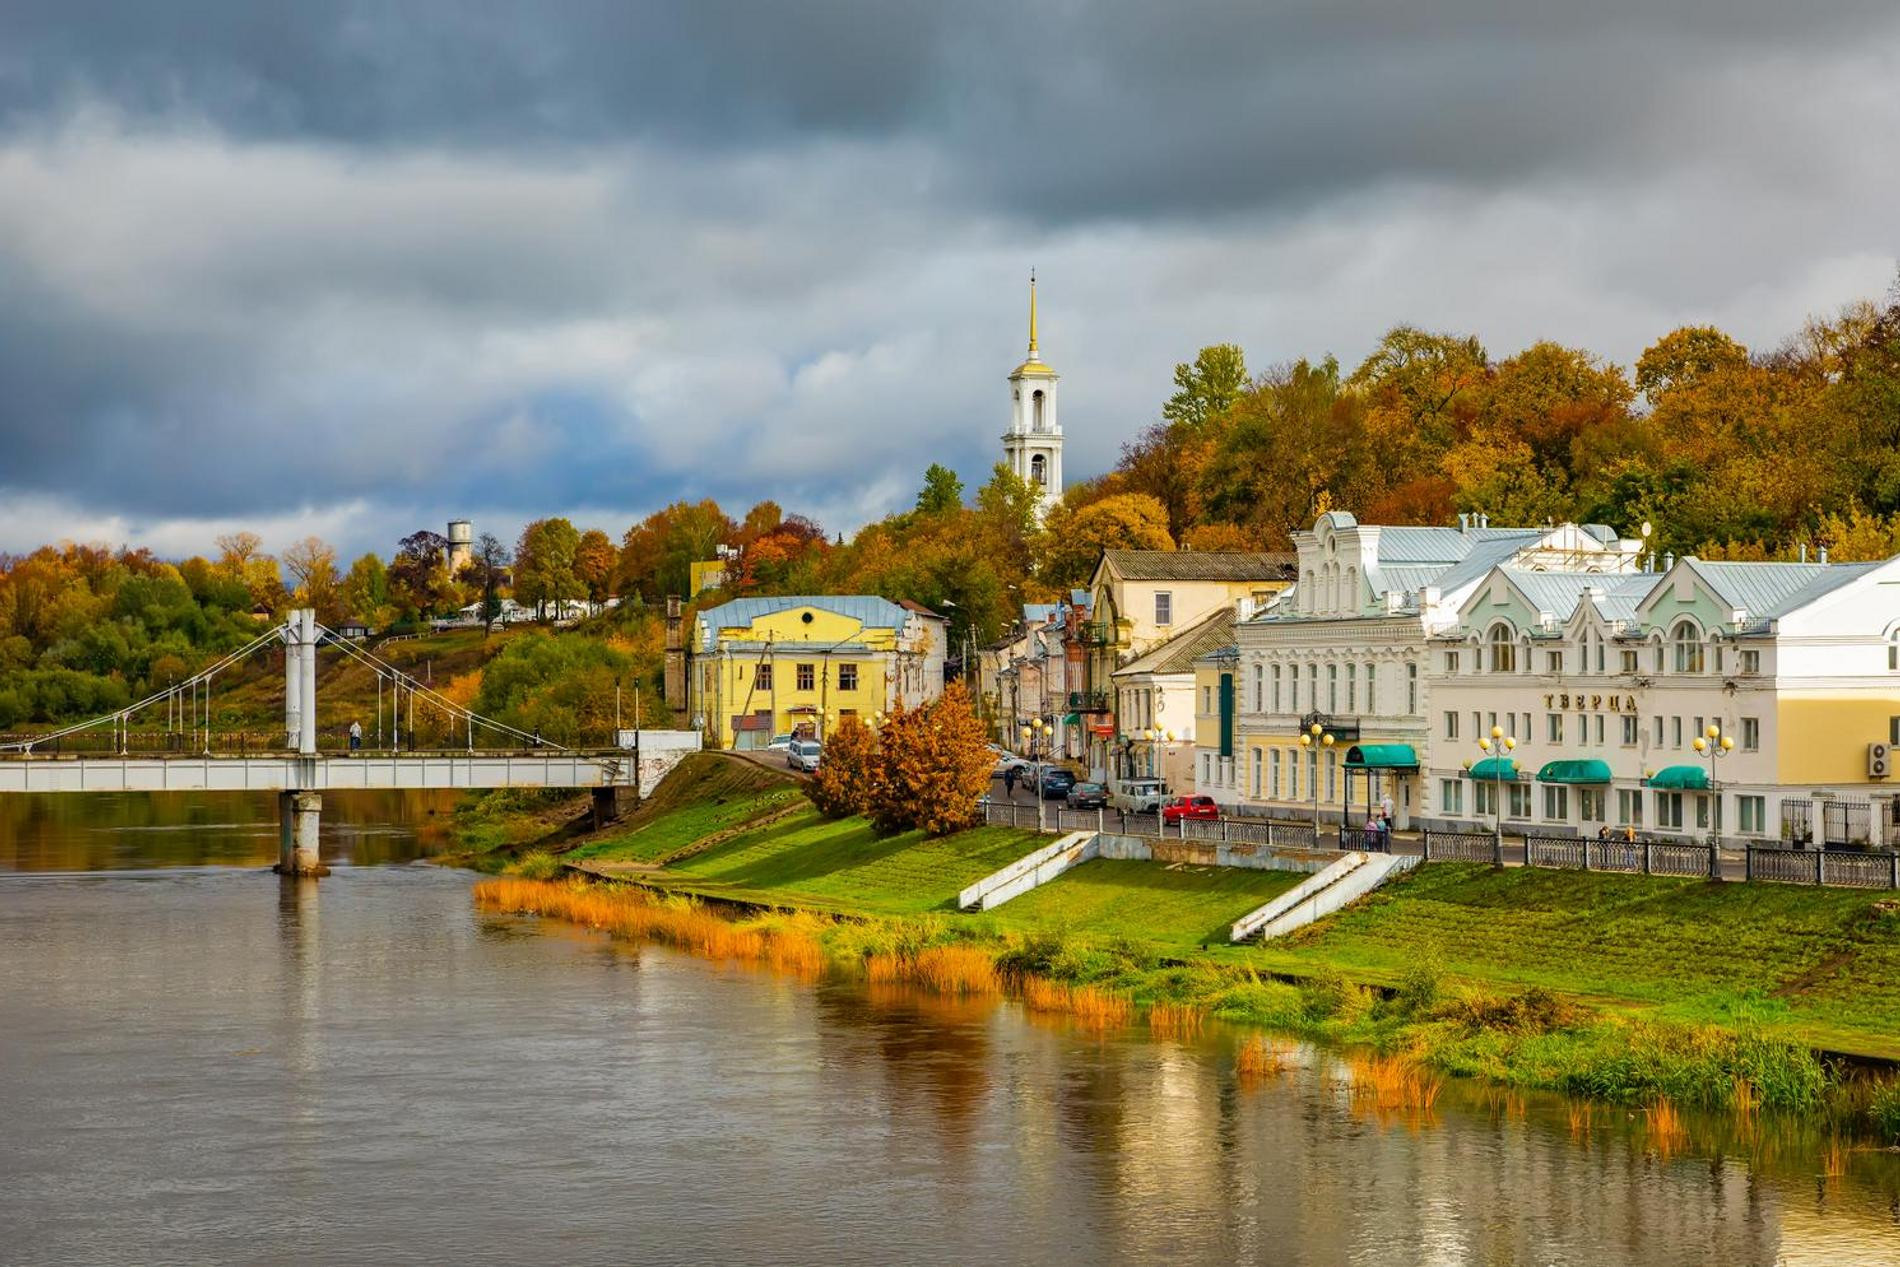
(1096, 633)
(1088, 701)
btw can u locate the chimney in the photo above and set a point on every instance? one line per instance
(1428, 598)
(675, 655)
(1804, 552)
(1669, 560)
(1484, 520)
(1824, 554)
(1464, 523)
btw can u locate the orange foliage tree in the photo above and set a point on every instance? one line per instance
(847, 777)
(934, 765)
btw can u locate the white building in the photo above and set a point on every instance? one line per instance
(1788, 672)
(1345, 650)
(1032, 447)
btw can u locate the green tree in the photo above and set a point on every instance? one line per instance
(547, 565)
(1206, 386)
(942, 491)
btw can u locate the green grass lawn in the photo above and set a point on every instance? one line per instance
(1180, 908)
(841, 865)
(664, 834)
(1823, 961)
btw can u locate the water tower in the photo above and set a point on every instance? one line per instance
(461, 544)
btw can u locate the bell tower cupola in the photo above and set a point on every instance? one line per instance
(1032, 447)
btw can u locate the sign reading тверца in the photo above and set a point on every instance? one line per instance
(1608, 703)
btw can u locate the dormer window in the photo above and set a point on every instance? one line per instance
(1689, 651)
(1503, 650)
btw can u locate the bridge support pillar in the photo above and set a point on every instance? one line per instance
(298, 816)
(611, 802)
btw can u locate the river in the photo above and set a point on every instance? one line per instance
(202, 1063)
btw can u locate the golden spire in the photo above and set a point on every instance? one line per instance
(1032, 314)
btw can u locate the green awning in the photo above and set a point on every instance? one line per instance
(1680, 778)
(1072, 719)
(1382, 756)
(1493, 769)
(1586, 770)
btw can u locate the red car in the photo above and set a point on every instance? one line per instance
(1181, 807)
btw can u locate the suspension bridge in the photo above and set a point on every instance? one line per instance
(482, 752)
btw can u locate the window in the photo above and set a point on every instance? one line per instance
(1411, 690)
(1590, 804)
(1554, 661)
(1484, 798)
(1893, 652)
(1893, 731)
(847, 677)
(1451, 663)
(1554, 727)
(1629, 662)
(1275, 764)
(807, 677)
(1518, 800)
(1510, 726)
(1332, 688)
(1675, 732)
(1669, 809)
(1492, 724)
(1657, 656)
(1629, 730)
(1451, 724)
(1526, 732)
(1164, 607)
(1699, 723)
(1629, 807)
(1751, 663)
(1038, 465)
(1260, 703)
(1312, 687)
(1332, 774)
(762, 680)
(1207, 771)
(1477, 725)
(1352, 688)
(1656, 734)
(1702, 811)
(1503, 650)
(1752, 813)
(1372, 688)
(1688, 640)
(1451, 796)
(1599, 729)
(1556, 803)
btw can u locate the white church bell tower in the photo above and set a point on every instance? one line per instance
(1032, 447)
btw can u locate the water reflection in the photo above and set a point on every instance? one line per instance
(223, 1065)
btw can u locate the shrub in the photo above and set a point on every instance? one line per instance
(1418, 988)
(1883, 1112)
(845, 782)
(1323, 995)
(934, 763)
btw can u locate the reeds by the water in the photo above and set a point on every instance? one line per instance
(629, 913)
(1176, 1020)
(1668, 1134)
(952, 970)
(1261, 1058)
(1387, 1084)
(1097, 1009)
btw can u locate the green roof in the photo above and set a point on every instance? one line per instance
(1680, 777)
(1499, 769)
(1584, 770)
(1382, 756)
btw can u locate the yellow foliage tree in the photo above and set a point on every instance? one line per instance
(934, 765)
(847, 778)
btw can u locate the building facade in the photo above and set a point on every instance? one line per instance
(1345, 651)
(801, 664)
(1157, 707)
(1788, 673)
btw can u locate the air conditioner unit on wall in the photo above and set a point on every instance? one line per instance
(1879, 760)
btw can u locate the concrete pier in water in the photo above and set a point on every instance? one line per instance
(299, 814)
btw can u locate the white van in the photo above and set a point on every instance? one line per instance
(1139, 796)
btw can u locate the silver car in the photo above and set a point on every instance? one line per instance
(804, 754)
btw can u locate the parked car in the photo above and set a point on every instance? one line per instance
(1087, 796)
(1139, 796)
(803, 754)
(1004, 760)
(1056, 781)
(779, 743)
(1180, 807)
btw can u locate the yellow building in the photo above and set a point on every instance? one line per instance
(800, 665)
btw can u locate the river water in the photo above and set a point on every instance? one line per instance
(202, 1063)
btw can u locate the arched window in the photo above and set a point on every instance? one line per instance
(1332, 688)
(1411, 690)
(1503, 650)
(1035, 404)
(1352, 687)
(1038, 470)
(1893, 652)
(1688, 640)
(1350, 596)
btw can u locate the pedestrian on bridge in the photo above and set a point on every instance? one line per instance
(356, 736)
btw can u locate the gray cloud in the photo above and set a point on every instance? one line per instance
(356, 267)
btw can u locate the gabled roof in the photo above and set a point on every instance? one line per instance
(1200, 565)
(1768, 590)
(1178, 654)
(911, 605)
(1559, 592)
(1431, 544)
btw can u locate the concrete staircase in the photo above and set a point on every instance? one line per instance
(1350, 878)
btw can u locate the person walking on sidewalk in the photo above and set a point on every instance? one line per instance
(356, 736)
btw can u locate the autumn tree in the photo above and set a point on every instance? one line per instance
(311, 563)
(490, 562)
(546, 565)
(934, 766)
(595, 559)
(1074, 540)
(419, 579)
(845, 781)
(364, 592)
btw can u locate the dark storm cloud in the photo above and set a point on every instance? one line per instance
(354, 266)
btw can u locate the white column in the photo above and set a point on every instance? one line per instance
(307, 672)
(293, 683)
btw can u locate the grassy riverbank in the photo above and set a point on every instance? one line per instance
(1623, 988)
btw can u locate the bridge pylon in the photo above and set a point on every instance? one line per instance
(300, 811)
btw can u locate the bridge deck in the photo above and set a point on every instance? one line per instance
(289, 771)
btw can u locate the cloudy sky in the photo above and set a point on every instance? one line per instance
(356, 268)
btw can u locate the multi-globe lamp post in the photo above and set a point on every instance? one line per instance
(1311, 740)
(1033, 730)
(1495, 746)
(1712, 743)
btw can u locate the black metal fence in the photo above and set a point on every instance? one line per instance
(1459, 846)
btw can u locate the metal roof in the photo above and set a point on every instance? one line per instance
(1768, 590)
(1178, 654)
(1558, 592)
(868, 610)
(1427, 544)
(1200, 565)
